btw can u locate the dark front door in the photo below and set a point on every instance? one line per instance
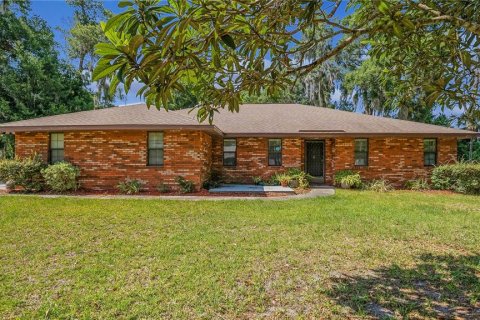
(314, 158)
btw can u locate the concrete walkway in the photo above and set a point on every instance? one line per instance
(315, 192)
(250, 188)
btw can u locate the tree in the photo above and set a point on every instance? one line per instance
(82, 38)
(368, 87)
(319, 85)
(220, 47)
(34, 82)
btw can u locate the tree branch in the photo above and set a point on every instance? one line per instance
(440, 16)
(309, 67)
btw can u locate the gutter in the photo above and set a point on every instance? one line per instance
(13, 129)
(216, 131)
(337, 133)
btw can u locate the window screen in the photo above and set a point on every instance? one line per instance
(155, 148)
(275, 152)
(229, 152)
(361, 152)
(56, 147)
(430, 152)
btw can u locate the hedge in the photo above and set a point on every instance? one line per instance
(461, 177)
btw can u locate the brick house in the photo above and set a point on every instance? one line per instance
(155, 146)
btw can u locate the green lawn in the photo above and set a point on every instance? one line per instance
(355, 254)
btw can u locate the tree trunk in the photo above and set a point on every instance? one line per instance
(80, 63)
(5, 6)
(470, 152)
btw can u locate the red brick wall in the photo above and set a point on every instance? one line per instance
(395, 159)
(30, 143)
(108, 157)
(252, 158)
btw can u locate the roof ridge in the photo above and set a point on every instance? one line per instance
(263, 119)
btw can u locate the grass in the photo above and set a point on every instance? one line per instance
(355, 254)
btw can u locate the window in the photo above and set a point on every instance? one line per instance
(155, 148)
(56, 147)
(361, 152)
(229, 152)
(430, 152)
(274, 152)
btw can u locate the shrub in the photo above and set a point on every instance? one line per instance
(341, 174)
(213, 181)
(272, 181)
(9, 169)
(283, 178)
(25, 173)
(348, 179)
(351, 181)
(186, 186)
(163, 188)
(61, 177)
(130, 186)
(461, 177)
(380, 185)
(300, 176)
(257, 180)
(417, 185)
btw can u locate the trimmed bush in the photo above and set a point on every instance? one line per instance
(130, 186)
(461, 177)
(9, 169)
(25, 173)
(61, 177)
(348, 179)
(186, 186)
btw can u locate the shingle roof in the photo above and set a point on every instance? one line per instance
(252, 120)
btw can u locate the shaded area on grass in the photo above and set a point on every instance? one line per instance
(439, 286)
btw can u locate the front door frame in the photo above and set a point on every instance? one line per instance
(307, 142)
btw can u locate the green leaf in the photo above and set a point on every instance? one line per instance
(397, 29)
(135, 42)
(383, 7)
(123, 4)
(228, 40)
(216, 59)
(101, 71)
(433, 97)
(113, 86)
(104, 49)
(116, 21)
(408, 23)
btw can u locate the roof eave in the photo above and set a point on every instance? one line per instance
(13, 129)
(325, 134)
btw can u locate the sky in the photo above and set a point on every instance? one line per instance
(59, 15)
